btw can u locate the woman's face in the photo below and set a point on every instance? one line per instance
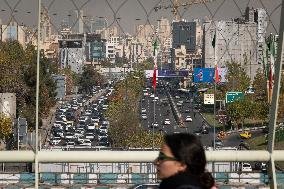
(166, 163)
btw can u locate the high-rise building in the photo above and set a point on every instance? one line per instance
(13, 31)
(184, 33)
(45, 26)
(164, 29)
(95, 48)
(99, 25)
(234, 42)
(76, 21)
(72, 53)
(144, 32)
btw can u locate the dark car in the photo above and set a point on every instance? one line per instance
(265, 130)
(204, 130)
(146, 186)
(104, 142)
(218, 143)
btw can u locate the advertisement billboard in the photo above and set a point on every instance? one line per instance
(203, 75)
(167, 73)
(222, 72)
(173, 73)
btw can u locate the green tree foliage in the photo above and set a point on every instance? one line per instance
(18, 75)
(5, 126)
(238, 80)
(146, 65)
(123, 114)
(261, 110)
(240, 110)
(260, 84)
(72, 79)
(89, 78)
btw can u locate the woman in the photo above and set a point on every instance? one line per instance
(181, 163)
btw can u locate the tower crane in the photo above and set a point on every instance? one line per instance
(176, 4)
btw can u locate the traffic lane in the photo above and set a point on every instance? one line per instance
(234, 139)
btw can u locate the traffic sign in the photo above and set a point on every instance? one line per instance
(232, 96)
(208, 98)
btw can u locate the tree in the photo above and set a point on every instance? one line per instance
(18, 75)
(260, 84)
(123, 115)
(238, 80)
(146, 65)
(261, 110)
(89, 78)
(5, 126)
(241, 109)
(71, 79)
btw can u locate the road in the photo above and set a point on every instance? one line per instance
(159, 111)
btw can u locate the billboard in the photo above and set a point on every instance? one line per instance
(203, 75)
(173, 73)
(222, 72)
(70, 43)
(167, 73)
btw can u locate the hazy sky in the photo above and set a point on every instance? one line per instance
(131, 10)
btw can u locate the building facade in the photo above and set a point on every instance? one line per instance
(234, 42)
(8, 104)
(13, 31)
(184, 33)
(72, 54)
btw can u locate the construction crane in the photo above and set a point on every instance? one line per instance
(176, 4)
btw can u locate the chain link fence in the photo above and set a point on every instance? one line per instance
(107, 33)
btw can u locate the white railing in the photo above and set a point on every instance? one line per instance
(132, 156)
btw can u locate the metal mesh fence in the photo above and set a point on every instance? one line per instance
(105, 33)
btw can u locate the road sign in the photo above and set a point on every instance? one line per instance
(208, 98)
(232, 96)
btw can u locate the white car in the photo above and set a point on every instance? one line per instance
(246, 167)
(144, 116)
(103, 129)
(143, 110)
(89, 136)
(188, 119)
(155, 125)
(70, 144)
(86, 143)
(167, 122)
(55, 140)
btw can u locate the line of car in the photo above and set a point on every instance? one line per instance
(89, 129)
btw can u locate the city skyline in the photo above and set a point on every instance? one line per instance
(128, 14)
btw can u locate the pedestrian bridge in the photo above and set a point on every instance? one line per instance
(110, 169)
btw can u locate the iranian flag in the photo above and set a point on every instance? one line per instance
(155, 46)
(272, 61)
(217, 79)
(270, 67)
(213, 42)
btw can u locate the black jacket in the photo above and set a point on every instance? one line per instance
(182, 180)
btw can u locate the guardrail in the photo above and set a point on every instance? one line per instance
(132, 156)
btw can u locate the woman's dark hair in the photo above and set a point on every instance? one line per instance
(188, 149)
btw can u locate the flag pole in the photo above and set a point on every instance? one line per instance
(214, 124)
(154, 87)
(215, 73)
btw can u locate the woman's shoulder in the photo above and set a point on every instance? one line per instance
(188, 186)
